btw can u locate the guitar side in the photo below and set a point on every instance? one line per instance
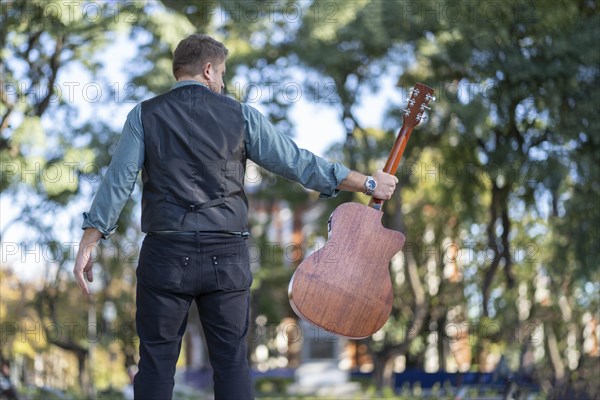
(345, 287)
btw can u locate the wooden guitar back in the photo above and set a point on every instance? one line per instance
(345, 287)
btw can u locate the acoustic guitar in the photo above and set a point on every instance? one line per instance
(345, 287)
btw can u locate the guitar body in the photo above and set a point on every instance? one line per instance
(345, 287)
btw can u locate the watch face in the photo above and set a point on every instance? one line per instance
(371, 184)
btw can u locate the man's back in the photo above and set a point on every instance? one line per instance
(194, 162)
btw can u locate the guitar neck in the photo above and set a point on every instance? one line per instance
(391, 165)
(413, 115)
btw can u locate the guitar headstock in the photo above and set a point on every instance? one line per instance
(414, 112)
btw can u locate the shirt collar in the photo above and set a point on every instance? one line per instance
(188, 82)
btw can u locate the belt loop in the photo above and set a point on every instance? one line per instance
(197, 242)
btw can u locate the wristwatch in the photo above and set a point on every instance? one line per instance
(370, 185)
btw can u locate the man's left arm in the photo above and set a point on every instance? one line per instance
(355, 182)
(279, 154)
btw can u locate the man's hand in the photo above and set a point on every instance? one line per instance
(386, 185)
(83, 262)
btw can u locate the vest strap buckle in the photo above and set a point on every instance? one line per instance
(191, 208)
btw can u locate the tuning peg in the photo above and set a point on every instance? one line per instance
(411, 102)
(424, 107)
(429, 97)
(406, 111)
(415, 92)
(421, 117)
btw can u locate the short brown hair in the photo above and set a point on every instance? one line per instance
(193, 52)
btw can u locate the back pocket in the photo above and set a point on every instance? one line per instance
(162, 272)
(232, 267)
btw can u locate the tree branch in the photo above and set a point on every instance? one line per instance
(492, 240)
(54, 66)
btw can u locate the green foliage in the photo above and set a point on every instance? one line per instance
(506, 168)
(49, 156)
(271, 386)
(510, 143)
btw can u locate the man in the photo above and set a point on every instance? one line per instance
(191, 144)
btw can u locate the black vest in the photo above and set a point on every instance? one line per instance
(194, 162)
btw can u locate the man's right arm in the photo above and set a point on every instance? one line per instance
(113, 193)
(119, 180)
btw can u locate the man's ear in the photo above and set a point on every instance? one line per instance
(206, 71)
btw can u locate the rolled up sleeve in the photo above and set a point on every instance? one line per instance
(119, 181)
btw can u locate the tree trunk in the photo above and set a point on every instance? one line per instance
(378, 371)
(388, 372)
(83, 377)
(383, 363)
(557, 363)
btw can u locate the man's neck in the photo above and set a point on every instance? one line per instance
(196, 78)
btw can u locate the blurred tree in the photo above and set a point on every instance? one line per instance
(49, 156)
(520, 109)
(498, 189)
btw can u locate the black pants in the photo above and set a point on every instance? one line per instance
(173, 271)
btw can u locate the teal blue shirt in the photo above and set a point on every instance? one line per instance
(265, 145)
